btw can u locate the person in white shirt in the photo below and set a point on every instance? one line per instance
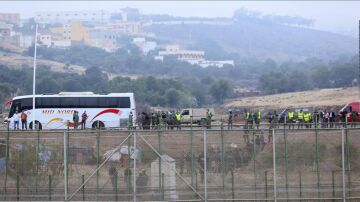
(16, 119)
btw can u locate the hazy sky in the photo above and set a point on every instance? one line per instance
(335, 16)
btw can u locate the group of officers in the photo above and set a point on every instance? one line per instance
(156, 120)
(300, 118)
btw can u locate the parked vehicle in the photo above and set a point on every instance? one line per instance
(351, 106)
(196, 115)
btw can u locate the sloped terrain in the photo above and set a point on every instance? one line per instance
(314, 98)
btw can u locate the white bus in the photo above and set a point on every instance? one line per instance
(56, 111)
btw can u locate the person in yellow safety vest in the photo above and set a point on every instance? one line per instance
(178, 117)
(300, 117)
(258, 119)
(306, 119)
(291, 118)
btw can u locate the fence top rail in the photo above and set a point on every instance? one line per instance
(169, 130)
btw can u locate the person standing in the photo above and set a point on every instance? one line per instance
(84, 117)
(300, 118)
(178, 117)
(23, 120)
(258, 119)
(230, 119)
(16, 120)
(76, 119)
(113, 173)
(130, 121)
(208, 118)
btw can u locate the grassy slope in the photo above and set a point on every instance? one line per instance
(314, 98)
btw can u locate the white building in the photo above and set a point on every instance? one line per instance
(191, 56)
(220, 64)
(45, 40)
(26, 41)
(104, 38)
(145, 46)
(68, 16)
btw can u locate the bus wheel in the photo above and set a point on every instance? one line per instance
(36, 123)
(98, 124)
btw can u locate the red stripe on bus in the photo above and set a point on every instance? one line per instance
(114, 111)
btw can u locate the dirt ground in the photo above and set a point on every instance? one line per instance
(332, 97)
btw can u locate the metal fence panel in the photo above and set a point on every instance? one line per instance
(191, 164)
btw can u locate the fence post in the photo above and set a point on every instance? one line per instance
(286, 163)
(65, 166)
(300, 185)
(134, 176)
(266, 185)
(347, 165)
(159, 141)
(116, 187)
(232, 185)
(83, 187)
(333, 184)
(317, 161)
(254, 162)
(49, 187)
(343, 164)
(97, 159)
(128, 178)
(192, 157)
(37, 159)
(205, 167)
(222, 157)
(274, 163)
(17, 188)
(162, 186)
(6, 159)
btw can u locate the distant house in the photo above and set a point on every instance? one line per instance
(104, 38)
(45, 40)
(145, 46)
(69, 16)
(130, 28)
(5, 29)
(10, 18)
(191, 56)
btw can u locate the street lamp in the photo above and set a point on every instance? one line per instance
(34, 79)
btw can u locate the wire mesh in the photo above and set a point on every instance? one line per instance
(229, 164)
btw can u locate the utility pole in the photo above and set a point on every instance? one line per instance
(34, 79)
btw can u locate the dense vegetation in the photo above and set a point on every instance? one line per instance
(290, 77)
(267, 76)
(148, 90)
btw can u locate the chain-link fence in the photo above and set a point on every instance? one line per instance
(192, 164)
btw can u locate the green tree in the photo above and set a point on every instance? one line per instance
(220, 90)
(172, 97)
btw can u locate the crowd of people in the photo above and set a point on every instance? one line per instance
(295, 119)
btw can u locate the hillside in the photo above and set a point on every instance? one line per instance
(315, 98)
(19, 61)
(257, 39)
